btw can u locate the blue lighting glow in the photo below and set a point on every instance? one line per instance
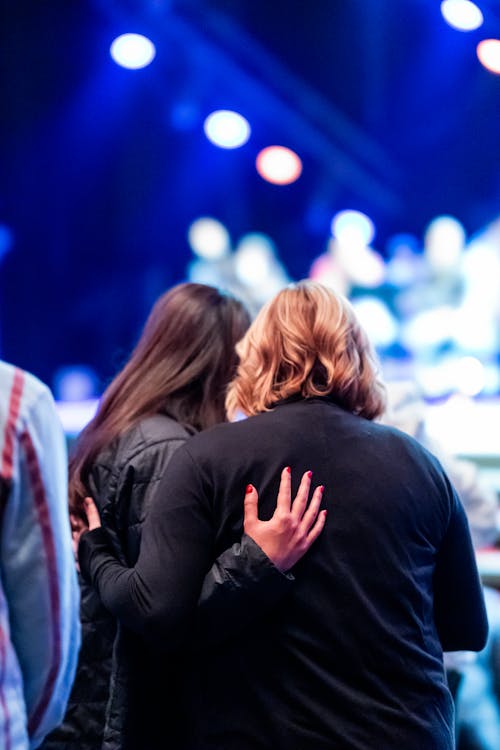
(462, 14)
(227, 129)
(6, 240)
(132, 51)
(75, 383)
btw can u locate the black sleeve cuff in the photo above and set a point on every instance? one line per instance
(92, 543)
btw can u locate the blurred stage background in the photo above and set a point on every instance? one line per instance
(128, 167)
(115, 185)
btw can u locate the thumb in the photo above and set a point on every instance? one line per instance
(251, 507)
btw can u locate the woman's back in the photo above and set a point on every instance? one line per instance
(353, 659)
(113, 701)
(181, 364)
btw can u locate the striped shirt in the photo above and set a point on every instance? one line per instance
(39, 626)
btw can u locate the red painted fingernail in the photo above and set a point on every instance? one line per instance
(325, 512)
(249, 488)
(288, 469)
(322, 488)
(309, 474)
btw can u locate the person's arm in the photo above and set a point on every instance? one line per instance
(158, 597)
(38, 569)
(252, 576)
(459, 609)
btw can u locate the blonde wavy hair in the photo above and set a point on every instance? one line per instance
(306, 341)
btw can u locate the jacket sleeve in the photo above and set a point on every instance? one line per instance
(459, 608)
(240, 586)
(38, 569)
(159, 596)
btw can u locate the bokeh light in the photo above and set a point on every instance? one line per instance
(353, 228)
(377, 320)
(209, 238)
(132, 51)
(227, 129)
(328, 272)
(429, 329)
(444, 241)
(75, 383)
(462, 14)
(488, 52)
(253, 258)
(278, 165)
(360, 264)
(405, 265)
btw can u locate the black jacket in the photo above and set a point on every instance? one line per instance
(115, 703)
(352, 659)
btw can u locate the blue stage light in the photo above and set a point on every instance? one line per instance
(132, 51)
(462, 14)
(227, 129)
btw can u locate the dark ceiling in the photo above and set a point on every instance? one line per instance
(103, 168)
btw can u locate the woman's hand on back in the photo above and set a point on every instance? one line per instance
(294, 526)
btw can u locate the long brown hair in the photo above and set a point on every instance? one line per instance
(181, 365)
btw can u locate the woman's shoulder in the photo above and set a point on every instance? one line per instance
(152, 434)
(138, 456)
(157, 428)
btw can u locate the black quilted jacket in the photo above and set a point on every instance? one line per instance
(115, 703)
(103, 707)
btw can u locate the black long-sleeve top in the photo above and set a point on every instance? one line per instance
(352, 658)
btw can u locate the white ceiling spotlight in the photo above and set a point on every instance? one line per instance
(132, 51)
